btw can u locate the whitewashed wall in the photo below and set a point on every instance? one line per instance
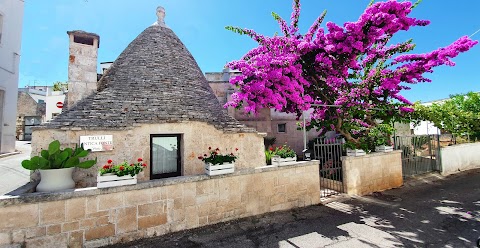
(425, 127)
(460, 157)
(51, 104)
(12, 12)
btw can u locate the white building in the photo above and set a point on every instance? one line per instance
(427, 127)
(52, 100)
(11, 17)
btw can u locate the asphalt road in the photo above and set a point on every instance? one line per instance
(442, 213)
(13, 175)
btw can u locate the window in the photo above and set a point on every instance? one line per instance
(41, 101)
(83, 40)
(165, 156)
(282, 128)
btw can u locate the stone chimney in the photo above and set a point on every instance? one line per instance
(82, 65)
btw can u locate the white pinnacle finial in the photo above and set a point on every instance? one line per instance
(160, 17)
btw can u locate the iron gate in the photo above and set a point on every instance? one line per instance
(419, 153)
(329, 153)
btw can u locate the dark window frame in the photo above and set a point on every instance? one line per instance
(278, 127)
(179, 157)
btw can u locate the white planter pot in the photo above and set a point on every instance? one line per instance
(219, 169)
(278, 161)
(355, 153)
(112, 180)
(384, 148)
(55, 180)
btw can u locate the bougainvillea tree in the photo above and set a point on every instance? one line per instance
(350, 75)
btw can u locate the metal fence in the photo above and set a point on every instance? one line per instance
(419, 153)
(329, 152)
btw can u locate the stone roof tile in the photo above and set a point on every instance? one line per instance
(154, 80)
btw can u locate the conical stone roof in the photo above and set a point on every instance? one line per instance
(154, 80)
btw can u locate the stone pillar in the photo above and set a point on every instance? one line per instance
(82, 65)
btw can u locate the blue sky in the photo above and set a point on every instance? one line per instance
(200, 25)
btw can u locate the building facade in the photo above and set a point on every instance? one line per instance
(11, 18)
(29, 114)
(152, 103)
(281, 126)
(36, 105)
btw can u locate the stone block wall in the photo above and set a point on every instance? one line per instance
(373, 172)
(459, 158)
(96, 217)
(134, 143)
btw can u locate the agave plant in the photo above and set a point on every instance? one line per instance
(56, 158)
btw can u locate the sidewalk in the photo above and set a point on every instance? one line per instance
(438, 213)
(13, 174)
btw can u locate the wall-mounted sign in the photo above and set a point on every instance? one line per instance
(97, 143)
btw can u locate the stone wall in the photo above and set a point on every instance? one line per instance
(373, 172)
(96, 217)
(135, 143)
(459, 158)
(27, 106)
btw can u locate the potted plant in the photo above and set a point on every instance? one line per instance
(354, 150)
(217, 163)
(56, 166)
(269, 155)
(283, 155)
(111, 175)
(380, 135)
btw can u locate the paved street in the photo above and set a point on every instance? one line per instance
(443, 213)
(13, 174)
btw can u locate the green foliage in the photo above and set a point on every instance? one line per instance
(460, 115)
(283, 151)
(363, 144)
(377, 135)
(60, 86)
(268, 156)
(276, 16)
(381, 134)
(237, 30)
(416, 4)
(56, 158)
(124, 168)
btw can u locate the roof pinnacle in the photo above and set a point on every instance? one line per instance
(160, 17)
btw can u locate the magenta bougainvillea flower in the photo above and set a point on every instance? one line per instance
(352, 67)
